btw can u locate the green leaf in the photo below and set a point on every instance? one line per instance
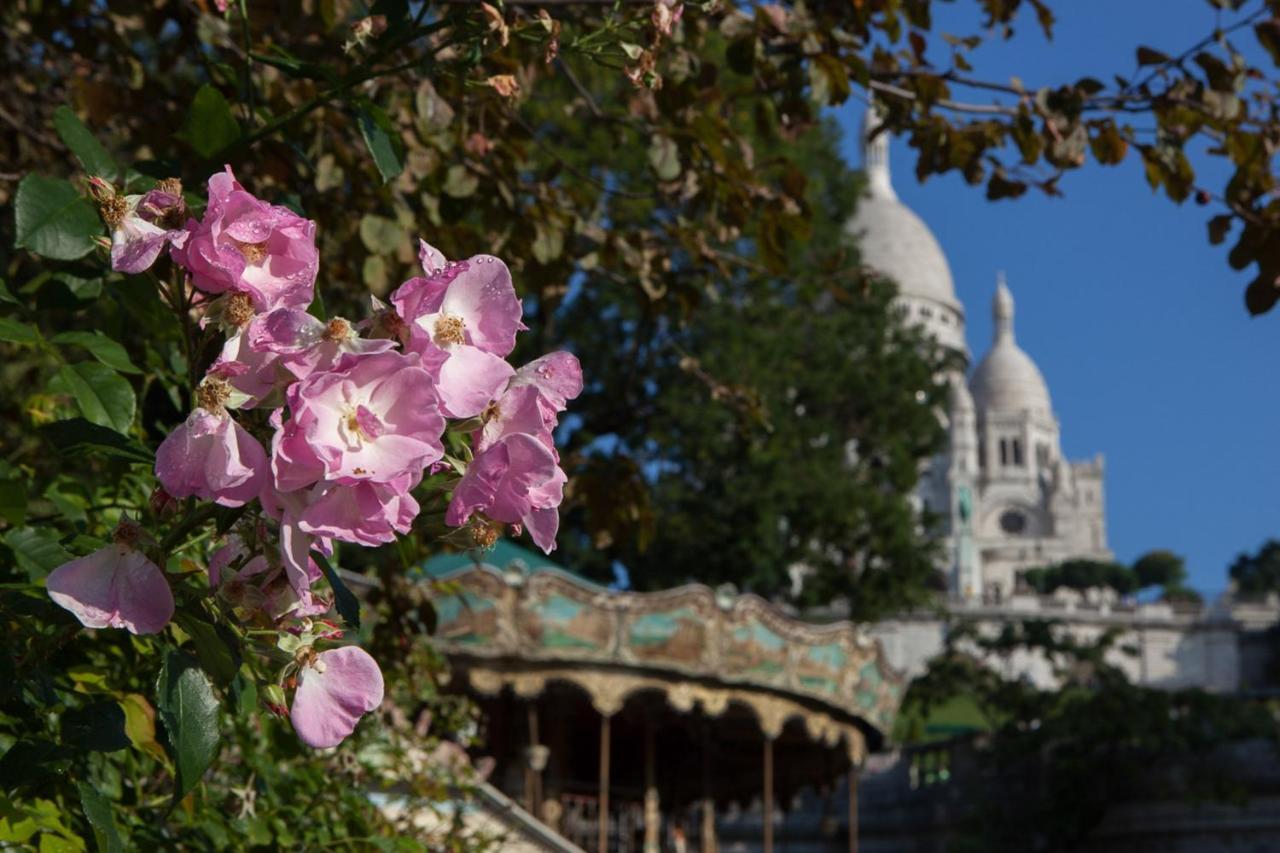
(346, 602)
(189, 711)
(84, 144)
(17, 332)
(548, 242)
(104, 396)
(82, 289)
(210, 127)
(53, 220)
(97, 810)
(97, 727)
(77, 436)
(140, 725)
(37, 552)
(215, 647)
(664, 157)
(13, 501)
(376, 129)
(379, 234)
(100, 347)
(1151, 56)
(459, 182)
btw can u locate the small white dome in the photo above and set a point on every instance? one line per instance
(1007, 380)
(891, 238)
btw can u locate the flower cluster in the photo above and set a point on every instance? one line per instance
(325, 428)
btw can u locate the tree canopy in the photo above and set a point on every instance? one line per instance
(1257, 573)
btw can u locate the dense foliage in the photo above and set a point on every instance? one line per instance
(659, 179)
(1257, 573)
(1159, 568)
(1057, 760)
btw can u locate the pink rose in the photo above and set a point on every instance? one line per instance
(335, 689)
(364, 512)
(212, 457)
(114, 587)
(463, 319)
(533, 401)
(146, 223)
(259, 585)
(516, 481)
(247, 246)
(306, 345)
(254, 373)
(373, 417)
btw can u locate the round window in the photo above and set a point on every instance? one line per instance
(1013, 521)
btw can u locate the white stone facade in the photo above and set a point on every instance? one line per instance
(1005, 498)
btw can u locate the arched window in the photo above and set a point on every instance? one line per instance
(1017, 453)
(1004, 452)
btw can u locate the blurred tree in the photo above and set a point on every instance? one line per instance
(1082, 574)
(1258, 573)
(1057, 760)
(1160, 568)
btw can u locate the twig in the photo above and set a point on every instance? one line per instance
(27, 130)
(956, 106)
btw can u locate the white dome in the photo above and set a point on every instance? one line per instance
(890, 237)
(1007, 380)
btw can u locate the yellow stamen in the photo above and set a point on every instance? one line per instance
(239, 309)
(449, 330)
(213, 392)
(254, 253)
(113, 210)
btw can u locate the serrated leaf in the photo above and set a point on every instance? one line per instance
(84, 144)
(346, 602)
(53, 220)
(104, 396)
(189, 711)
(17, 332)
(214, 647)
(77, 436)
(38, 552)
(375, 128)
(97, 810)
(209, 127)
(105, 350)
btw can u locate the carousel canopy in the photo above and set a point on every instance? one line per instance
(510, 618)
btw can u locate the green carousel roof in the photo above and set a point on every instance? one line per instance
(503, 554)
(512, 618)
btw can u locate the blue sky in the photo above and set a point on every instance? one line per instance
(1137, 323)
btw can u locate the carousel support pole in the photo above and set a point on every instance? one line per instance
(708, 801)
(652, 814)
(533, 767)
(604, 784)
(853, 809)
(767, 816)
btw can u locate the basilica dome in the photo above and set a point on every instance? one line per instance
(897, 243)
(891, 237)
(1007, 380)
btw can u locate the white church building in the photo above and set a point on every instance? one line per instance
(1007, 498)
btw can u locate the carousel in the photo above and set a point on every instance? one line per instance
(626, 721)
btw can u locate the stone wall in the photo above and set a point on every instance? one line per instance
(1223, 648)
